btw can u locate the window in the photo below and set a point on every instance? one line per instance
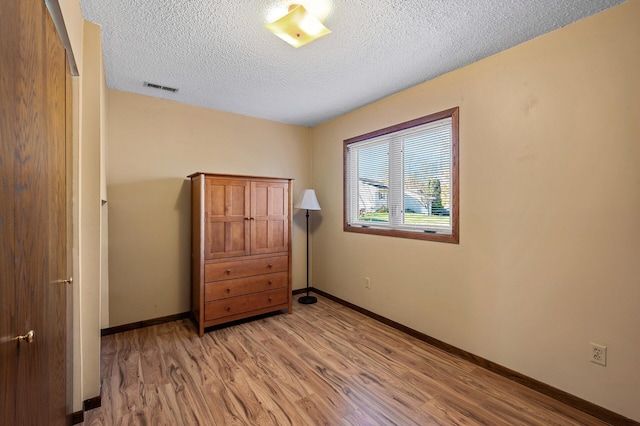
(402, 181)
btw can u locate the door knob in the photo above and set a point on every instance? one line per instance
(28, 337)
(67, 281)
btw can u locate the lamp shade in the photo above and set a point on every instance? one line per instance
(298, 27)
(309, 201)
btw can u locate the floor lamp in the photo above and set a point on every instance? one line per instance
(308, 202)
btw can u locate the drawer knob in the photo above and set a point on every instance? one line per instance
(228, 290)
(270, 265)
(270, 282)
(270, 299)
(228, 308)
(228, 271)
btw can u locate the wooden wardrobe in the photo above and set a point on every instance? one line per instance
(240, 247)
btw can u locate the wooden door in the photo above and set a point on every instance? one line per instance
(227, 218)
(33, 250)
(270, 214)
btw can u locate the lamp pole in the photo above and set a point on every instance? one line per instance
(307, 300)
(308, 202)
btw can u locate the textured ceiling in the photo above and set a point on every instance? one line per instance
(219, 55)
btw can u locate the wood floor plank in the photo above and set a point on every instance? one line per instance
(308, 381)
(317, 411)
(323, 365)
(281, 407)
(358, 418)
(545, 409)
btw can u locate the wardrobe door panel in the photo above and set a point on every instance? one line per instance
(270, 213)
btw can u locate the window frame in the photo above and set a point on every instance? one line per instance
(454, 237)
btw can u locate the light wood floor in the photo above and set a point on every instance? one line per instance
(324, 364)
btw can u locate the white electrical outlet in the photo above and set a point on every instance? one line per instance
(367, 282)
(598, 354)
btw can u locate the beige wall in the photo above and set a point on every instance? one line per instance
(73, 20)
(88, 116)
(104, 209)
(74, 23)
(548, 259)
(153, 145)
(90, 218)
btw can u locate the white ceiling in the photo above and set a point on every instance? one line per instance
(219, 55)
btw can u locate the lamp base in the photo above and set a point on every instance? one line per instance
(307, 300)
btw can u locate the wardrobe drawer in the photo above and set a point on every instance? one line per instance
(244, 268)
(251, 302)
(241, 286)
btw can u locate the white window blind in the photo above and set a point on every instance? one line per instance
(402, 180)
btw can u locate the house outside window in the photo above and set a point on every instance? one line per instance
(402, 181)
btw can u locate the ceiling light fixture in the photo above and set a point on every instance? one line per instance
(298, 27)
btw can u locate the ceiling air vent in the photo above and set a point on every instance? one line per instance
(159, 86)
